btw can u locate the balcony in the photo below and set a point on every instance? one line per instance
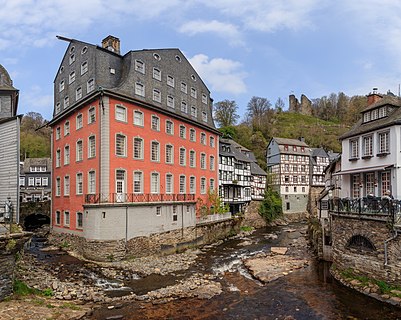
(137, 198)
(374, 208)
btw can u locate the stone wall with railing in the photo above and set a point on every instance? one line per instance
(365, 241)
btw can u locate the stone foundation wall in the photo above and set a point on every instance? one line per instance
(314, 193)
(9, 246)
(252, 217)
(159, 243)
(369, 263)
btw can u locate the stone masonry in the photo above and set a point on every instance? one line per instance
(368, 262)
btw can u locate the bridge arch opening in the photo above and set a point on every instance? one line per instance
(360, 243)
(35, 221)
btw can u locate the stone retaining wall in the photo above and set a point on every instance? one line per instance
(9, 246)
(370, 263)
(160, 243)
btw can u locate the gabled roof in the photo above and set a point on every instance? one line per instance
(319, 152)
(292, 142)
(391, 119)
(256, 170)
(29, 162)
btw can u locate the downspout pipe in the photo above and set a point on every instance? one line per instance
(385, 247)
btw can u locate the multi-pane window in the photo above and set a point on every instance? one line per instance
(91, 182)
(204, 116)
(194, 111)
(67, 185)
(355, 185)
(79, 183)
(155, 151)
(157, 95)
(384, 143)
(45, 181)
(138, 118)
(183, 131)
(154, 182)
(385, 179)
(121, 145)
(169, 183)
(58, 158)
(204, 98)
(79, 121)
(203, 138)
(354, 148)
(382, 112)
(91, 147)
(138, 148)
(58, 107)
(66, 218)
(169, 127)
(182, 157)
(193, 93)
(155, 123)
(91, 115)
(370, 183)
(211, 163)
(71, 77)
(61, 86)
(203, 185)
(169, 154)
(184, 107)
(212, 186)
(58, 217)
(367, 146)
(78, 93)
(211, 141)
(80, 223)
(66, 155)
(170, 102)
(140, 66)
(79, 151)
(157, 74)
(67, 128)
(192, 185)
(182, 184)
(170, 81)
(203, 161)
(121, 113)
(192, 135)
(184, 87)
(66, 102)
(139, 89)
(192, 158)
(84, 68)
(138, 182)
(58, 186)
(90, 85)
(58, 133)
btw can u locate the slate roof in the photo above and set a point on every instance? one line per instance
(393, 118)
(29, 162)
(291, 142)
(256, 170)
(5, 81)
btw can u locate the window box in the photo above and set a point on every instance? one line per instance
(367, 156)
(353, 159)
(382, 154)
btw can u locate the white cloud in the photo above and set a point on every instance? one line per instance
(35, 99)
(224, 30)
(223, 75)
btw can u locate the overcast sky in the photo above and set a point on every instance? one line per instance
(241, 48)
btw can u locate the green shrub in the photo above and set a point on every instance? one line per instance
(246, 228)
(271, 206)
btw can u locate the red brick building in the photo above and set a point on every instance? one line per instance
(134, 144)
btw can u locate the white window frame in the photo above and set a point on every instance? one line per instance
(79, 183)
(92, 115)
(79, 151)
(120, 113)
(139, 89)
(90, 85)
(155, 123)
(157, 74)
(92, 182)
(170, 81)
(169, 127)
(84, 67)
(192, 135)
(138, 118)
(155, 151)
(383, 139)
(91, 146)
(140, 66)
(121, 145)
(183, 132)
(169, 183)
(137, 182)
(170, 102)
(155, 183)
(71, 77)
(169, 154)
(157, 96)
(183, 157)
(67, 182)
(66, 155)
(182, 184)
(136, 146)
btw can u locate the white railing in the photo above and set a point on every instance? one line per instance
(214, 217)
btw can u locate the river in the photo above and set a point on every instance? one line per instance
(307, 293)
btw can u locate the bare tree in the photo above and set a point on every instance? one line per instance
(225, 113)
(257, 111)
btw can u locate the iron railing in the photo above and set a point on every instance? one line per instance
(369, 207)
(135, 197)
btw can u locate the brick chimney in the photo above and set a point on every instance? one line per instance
(374, 96)
(112, 44)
